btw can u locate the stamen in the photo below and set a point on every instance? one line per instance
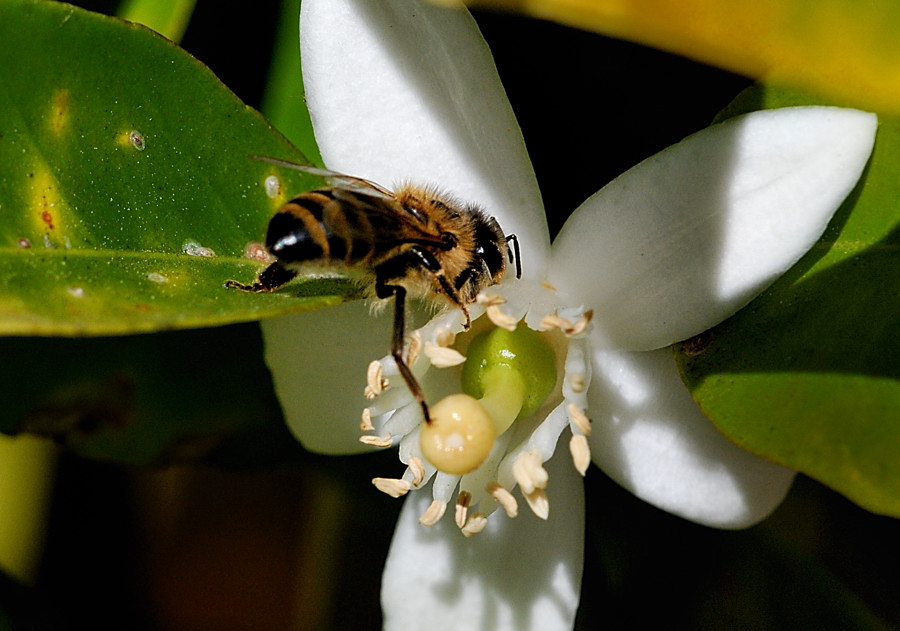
(538, 503)
(547, 285)
(581, 452)
(555, 322)
(417, 468)
(565, 325)
(394, 487)
(474, 525)
(529, 472)
(365, 423)
(376, 383)
(504, 498)
(415, 345)
(489, 299)
(462, 508)
(582, 324)
(576, 381)
(500, 319)
(582, 422)
(376, 441)
(444, 337)
(433, 513)
(442, 357)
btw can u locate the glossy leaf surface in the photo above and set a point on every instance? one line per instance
(809, 373)
(128, 193)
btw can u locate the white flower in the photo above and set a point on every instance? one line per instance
(405, 91)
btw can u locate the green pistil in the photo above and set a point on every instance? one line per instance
(512, 372)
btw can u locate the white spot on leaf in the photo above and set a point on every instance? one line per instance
(192, 248)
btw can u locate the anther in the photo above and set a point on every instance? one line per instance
(376, 383)
(538, 503)
(581, 452)
(547, 285)
(501, 319)
(412, 351)
(504, 498)
(565, 325)
(462, 508)
(365, 423)
(576, 381)
(581, 326)
(555, 322)
(376, 441)
(581, 421)
(433, 513)
(417, 468)
(444, 337)
(442, 357)
(489, 299)
(474, 525)
(392, 486)
(529, 472)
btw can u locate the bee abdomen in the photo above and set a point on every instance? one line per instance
(316, 228)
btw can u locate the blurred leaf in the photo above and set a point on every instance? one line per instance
(177, 396)
(27, 466)
(808, 374)
(167, 17)
(283, 103)
(839, 48)
(127, 187)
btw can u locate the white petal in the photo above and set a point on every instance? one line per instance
(400, 90)
(518, 574)
(650, 437)
(687, 237)
(318, 362)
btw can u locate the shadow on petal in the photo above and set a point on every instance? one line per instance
(318, 363)
(518, 574)
(650, 437)
(686, 238)
(407, 91)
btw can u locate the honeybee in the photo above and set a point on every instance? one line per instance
(412, 242)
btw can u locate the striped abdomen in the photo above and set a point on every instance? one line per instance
(317, 227)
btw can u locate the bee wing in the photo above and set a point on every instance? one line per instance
(362, 193)
(338, 180)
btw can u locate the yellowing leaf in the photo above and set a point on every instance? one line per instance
(844, 49)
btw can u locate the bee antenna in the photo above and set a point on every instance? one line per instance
(514, 240)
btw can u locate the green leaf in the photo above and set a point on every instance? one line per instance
(123, 160)
(167, 17)
(168, 397)
(808, 374)
(837, 48)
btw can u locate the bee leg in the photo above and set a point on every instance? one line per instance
(273, 277)
(428, 262)
(385, 291)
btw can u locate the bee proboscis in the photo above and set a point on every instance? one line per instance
(412, 241)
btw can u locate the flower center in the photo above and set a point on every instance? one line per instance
(515, 382)
(511, 373)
